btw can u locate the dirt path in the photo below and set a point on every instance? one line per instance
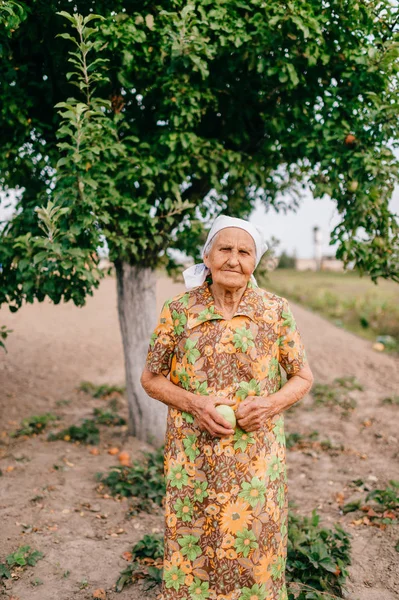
(49, 501)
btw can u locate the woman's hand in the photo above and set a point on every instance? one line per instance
(208, 418)
(253, 412)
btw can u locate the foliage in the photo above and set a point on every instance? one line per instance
(87, 433)
(146, 562)
(4, 333)
(387, 498)
(108, 417)
(143, 480)
(100, 391)
(337, 393)
(34, 424)
(22, 557)
(181, 112)
(12, 14)
(317, 558)
(345, 298)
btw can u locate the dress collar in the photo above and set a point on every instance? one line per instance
(202, 305)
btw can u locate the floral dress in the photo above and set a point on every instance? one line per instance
(226, 499)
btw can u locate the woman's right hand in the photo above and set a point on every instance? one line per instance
(208, 418)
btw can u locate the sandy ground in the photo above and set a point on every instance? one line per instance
(48, 496)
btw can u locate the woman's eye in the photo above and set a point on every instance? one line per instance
(244, 252)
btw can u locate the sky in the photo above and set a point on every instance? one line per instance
(293, 230)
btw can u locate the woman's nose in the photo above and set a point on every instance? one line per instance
(233, 259)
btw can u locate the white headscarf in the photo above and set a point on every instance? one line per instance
(196, 275)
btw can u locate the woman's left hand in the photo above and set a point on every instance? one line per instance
(252, 412)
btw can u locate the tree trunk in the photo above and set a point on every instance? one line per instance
(137, 317)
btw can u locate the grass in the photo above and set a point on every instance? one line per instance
(348, 300)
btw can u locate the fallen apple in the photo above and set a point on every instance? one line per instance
(227, 413)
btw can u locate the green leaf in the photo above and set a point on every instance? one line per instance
(293, 74)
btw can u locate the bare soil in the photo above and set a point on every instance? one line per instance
(49, 496)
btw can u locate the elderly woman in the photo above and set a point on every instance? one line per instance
(222, 342)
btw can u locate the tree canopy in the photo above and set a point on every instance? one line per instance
(140, 123)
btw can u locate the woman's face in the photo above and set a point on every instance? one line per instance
(232, 258)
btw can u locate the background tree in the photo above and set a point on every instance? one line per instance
(181, 111)
(286, 261)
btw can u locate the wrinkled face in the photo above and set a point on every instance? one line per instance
(231, 258)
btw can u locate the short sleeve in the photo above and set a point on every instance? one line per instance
(162, 344)
(292, 355)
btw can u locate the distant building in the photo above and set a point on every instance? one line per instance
(305, 264)
(327, 263)
(330, 263)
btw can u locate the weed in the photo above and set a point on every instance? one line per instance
(385, 509)
(35, 424)
(392, 400)
(87, 433)
(113, 405)
(349, 383)
(63, 402)
(298, 441)
(317, 558)
(337, 393)
(351, 506)
(37, 498)
(388, 498)
(108, 417)
(4, 333)
(22, 557)
(146, 562)
(4, 572)
(100, 391)
(144, 481)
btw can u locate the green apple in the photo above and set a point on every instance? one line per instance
(352, 186)
(227, 413)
